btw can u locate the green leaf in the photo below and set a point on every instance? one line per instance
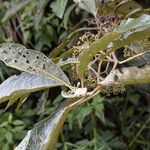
(12, 11)
(88, 5)
(67, 15)
(45, 133)
(107, 135)
(79, 115)
(18, 128)
(125, 7)
(18, 122)
(116, 143)
(129, 31)
(130, 111)
(98, 106)
(134, 98)
(21, 86)
(4, 124)
(59, 7)
(19, 135)
(10, 117)
(17, 56)
(39, 13)
(85, 111)
(6, 146)
(9, 136)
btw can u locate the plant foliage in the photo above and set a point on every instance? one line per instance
(101, 56)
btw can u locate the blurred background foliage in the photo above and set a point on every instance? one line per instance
(105, 123)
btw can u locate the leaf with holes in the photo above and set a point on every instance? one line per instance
(17, 56)
(129, 31)
(21, 86)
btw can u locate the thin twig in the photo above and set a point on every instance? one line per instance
(115, 61)
(107, 66)
(131, 58)
(99, 72)
(82, 29)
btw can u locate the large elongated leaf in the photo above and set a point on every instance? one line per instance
(12, 11)
(17, 56)
(127, 32)
(45, 133)
(22, 85)
(59, 7)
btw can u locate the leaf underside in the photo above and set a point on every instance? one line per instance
(34, 62)
(21, 86)
(45, 133)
